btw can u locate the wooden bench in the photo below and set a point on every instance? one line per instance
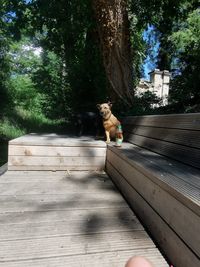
(158, 172)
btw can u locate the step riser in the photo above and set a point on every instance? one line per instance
(39, 154)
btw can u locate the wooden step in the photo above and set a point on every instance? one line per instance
(56, 152)
(164, 194)
(68, 220)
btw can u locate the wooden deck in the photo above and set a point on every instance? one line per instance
(56, 152)
(57, 219)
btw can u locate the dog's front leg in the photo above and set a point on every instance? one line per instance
(107, 137)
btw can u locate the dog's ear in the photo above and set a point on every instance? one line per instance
(98, 106)
(110, 104)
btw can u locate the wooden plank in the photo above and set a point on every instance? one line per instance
(52, 176)
(145, 162)
(68, 245)
(187, 138)
(94, 224)
(55, 161)
(66, 201)
(83, 163)
(186, 173)
(84, 177)
(175, 214)
(174, 151)
(56, 168)
(38, 173)
(55, 187)
(167, 239)
(11, 176)
(109, 213)
(57, 140)
(75, 228)
(177, 121)
(117, 258)
(53, 151)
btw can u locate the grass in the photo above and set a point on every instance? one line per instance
(18, 122)
(10, 130)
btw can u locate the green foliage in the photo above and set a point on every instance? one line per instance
(67, 28)
(166, 17)
(185, 86)
(24, 61)
(50, 80)
(144, 104)
(10, 130)
(23, 93)
(24, 57)
(186, 39)
(138, 47)
(19, 121)
(25, 111)
(68, 76)
(4, 60)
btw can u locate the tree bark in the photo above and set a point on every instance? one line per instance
(113, 28)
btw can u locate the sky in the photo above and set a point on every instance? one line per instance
(150, 62)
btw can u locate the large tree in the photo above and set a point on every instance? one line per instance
(68, 28)
(114, 33)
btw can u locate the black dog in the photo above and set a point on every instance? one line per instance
(89, 123)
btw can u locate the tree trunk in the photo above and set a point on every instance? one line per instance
(113, 28)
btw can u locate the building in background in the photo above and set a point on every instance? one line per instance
(158, 84)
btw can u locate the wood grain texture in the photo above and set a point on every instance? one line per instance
(174, 136)
(165, 173)
(185, 154)
(106, 259)
(55, 161)
(179, 253)
(72, 245)
(22, 203)
(187, 138)
(77, 219)
(57, 140)
(173, 212)
(56, 151)
(174, 121)
(56, 168)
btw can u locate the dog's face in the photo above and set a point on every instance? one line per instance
(104, 109)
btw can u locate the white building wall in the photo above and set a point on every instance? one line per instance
(158, 84)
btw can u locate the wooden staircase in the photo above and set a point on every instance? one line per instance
(56, 152)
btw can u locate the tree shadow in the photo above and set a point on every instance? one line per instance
(105, 210)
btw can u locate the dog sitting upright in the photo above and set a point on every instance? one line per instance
(110, 122)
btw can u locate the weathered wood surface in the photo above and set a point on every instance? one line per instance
(56, 140)
(59, 151)
(55, 152)
(56, 163)
(188, 138)
(68, 219)
(179, 253)
(169, 188)
(174, 121)
(179, 180)
(174, 136)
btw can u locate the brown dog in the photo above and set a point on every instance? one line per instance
(110, 122)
